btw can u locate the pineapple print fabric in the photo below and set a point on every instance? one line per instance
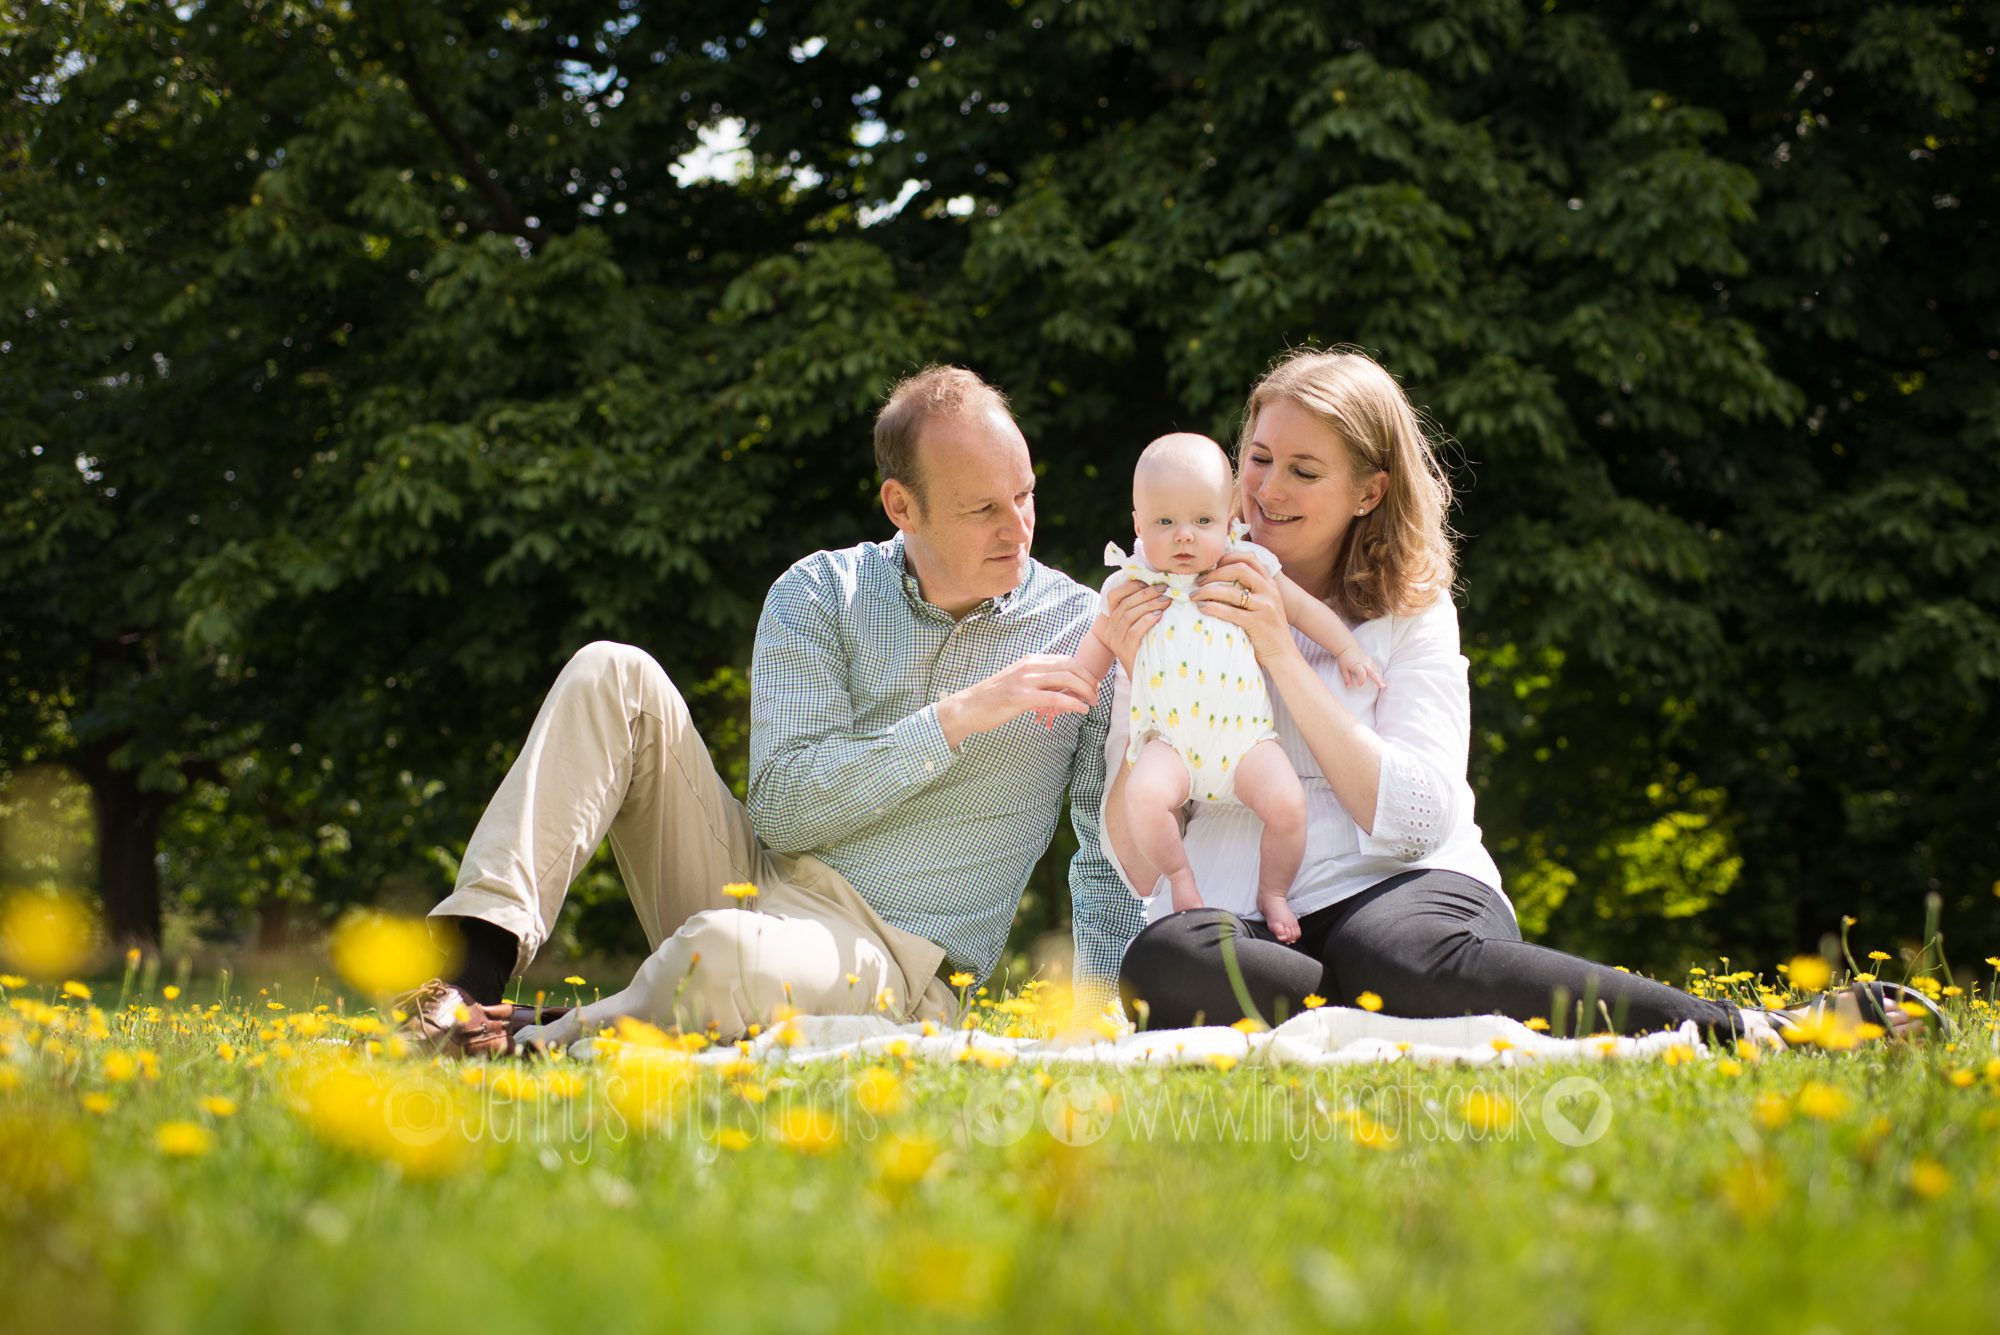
(1196, 684)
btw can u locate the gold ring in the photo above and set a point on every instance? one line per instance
(1243, 597)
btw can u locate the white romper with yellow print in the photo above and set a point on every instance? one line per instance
(1196, 683)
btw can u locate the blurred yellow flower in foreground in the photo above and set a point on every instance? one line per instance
(414, 1123)
(879, 1092)
(183, 1140)
(1929, 1179)
(217, 1105)
(947, 1278)
(1821, 1101)
(44, 936)
(1368, 1001)
(1752, 1189)
(808, 1130)
(381, 955)
(1809, 973)
(740, 891)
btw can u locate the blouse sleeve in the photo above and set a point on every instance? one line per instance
(1424, 719)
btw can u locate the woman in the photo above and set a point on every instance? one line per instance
(1397, 895)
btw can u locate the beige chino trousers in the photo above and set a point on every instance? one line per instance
(613, 753)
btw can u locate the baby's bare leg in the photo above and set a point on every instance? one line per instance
(1269, 786)
(1154, 790)
(1118, 840)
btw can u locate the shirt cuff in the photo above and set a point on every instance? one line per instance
(1410, 817)
(919, 740)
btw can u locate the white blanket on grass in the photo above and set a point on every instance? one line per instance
(1329, 1036)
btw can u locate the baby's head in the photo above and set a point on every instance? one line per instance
(1181, 493)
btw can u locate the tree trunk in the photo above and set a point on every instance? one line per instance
(274, 921)
(128, 838)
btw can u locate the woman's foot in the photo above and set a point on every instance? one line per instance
(1854, 1006)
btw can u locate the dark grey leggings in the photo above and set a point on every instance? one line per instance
(1429, 943)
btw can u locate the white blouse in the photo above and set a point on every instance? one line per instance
(1423, 802)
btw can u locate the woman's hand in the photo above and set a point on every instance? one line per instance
(1130, 610)
(1239, 592)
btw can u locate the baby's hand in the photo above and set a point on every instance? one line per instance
(1356, 667)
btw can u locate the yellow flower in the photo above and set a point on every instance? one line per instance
(1879, 955)
(1488, 1112)
(733, 1140)
(1929, 1179)
(226, 1051)
(1752, 1189)
(1729, 1067)
(96, 1104)
(72, 988)
(1771, 1110)
(574, 980)
(1313, 1001)
(1246, 1025)
(903, 1160)
(1810, 973)
(12, 980)
(1820, 1101)
(119, 1067)
(1368, 1001)
(379, 955)
(43, 935)
(740, 890)
(1680, 1054)
(879, 1092)
(215, 1105)
(961, 979)
(1962, 1078)
(170, 992)
(183, 1140)
(808, 1130)
(1537, 1023)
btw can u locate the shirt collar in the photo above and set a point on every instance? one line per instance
(899, 562)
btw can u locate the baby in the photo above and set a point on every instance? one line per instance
(1201, 715)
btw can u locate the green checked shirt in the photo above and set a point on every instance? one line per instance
(847, 761)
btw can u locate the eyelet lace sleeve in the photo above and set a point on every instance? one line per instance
(1424, 719)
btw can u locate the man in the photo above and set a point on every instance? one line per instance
(901, 788)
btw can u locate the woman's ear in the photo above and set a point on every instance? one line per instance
(1372, 492)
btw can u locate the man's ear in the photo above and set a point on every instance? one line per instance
(899, 503)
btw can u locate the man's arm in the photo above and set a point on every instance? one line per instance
(1103, 914)
(815, 779)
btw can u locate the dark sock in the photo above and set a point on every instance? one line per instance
(487, 961)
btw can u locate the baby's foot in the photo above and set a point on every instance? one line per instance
(1278, 916)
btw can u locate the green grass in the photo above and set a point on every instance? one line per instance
(1215, 1198)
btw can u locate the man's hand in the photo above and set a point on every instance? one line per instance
(1130, 610)
(1044, 684)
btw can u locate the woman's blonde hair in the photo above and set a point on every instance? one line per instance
(1398, 557)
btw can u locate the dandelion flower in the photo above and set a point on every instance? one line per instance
(808, 1130)
(1821, 1101)
(1810, 973)
(1536, 1023)
(1313, 1001)
(183, 1140)
(574, 980)
(1929, 1179)
(1368, 1001)
(379, 954)
(216, 1105)
(96, 1104)
(879, 1092)
(72, 988)
(961, 979)
(732, 1139)
(740, 890)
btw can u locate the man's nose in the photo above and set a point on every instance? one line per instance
(1023, 527)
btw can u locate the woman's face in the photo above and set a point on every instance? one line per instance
(1299, 491)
